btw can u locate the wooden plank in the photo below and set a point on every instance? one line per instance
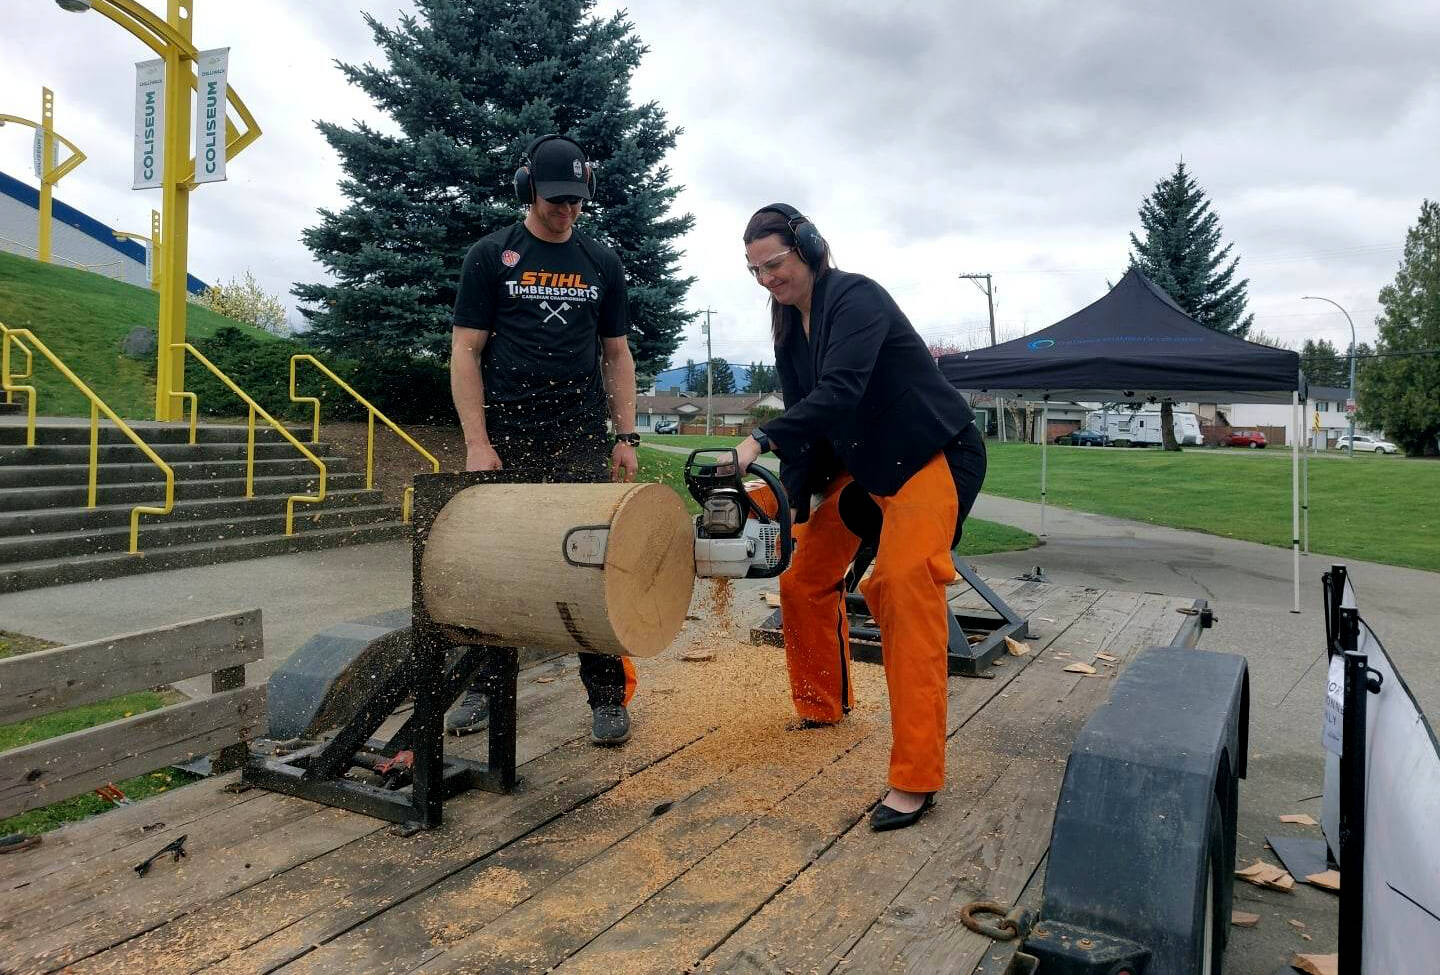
(189, 924)
(72, 915)
(59, 768)
(38, 683)
(998, 847)
(835, 900)
(288, 915)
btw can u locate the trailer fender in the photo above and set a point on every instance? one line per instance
(1142, 852)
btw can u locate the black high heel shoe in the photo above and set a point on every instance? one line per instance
(884, 818)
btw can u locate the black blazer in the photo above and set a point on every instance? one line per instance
(862, 393)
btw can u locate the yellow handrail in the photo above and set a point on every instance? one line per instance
(29, 366)
(255, 407)
(409, 492)
(97, 406)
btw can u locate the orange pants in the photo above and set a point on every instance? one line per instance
(905, 594)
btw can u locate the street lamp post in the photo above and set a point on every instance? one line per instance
(1349, 413)
(45, 166)
(170, 38)
(152, 246)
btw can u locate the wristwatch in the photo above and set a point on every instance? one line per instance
(633, 439)
(759, 437)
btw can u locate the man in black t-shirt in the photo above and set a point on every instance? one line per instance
(538, 350)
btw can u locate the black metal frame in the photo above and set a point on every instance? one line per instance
(1342, 636)
(319, 772)
(964, 658)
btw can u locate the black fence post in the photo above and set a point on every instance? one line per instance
(1352, 793)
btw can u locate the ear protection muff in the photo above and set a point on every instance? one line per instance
(525, 187)
(808, 242)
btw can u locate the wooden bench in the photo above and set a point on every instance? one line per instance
(36, 684)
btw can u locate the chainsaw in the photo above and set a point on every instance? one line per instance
(734, 537)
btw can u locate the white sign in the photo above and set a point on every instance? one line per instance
(39, 151)
(1330, 734)
(211, 68)
(149, 263)
(149, 124)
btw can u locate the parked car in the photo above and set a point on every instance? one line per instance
(667, 426)
(1246, 438)
(1372, 444)
(1084, 438)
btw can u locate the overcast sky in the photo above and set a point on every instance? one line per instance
(925, 139)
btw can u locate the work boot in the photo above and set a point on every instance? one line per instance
(610, 725)
(469, 715)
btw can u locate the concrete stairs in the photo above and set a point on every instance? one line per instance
(49, 537)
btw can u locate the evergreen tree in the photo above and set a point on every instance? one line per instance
(694, 377)
(1323, 364)
(1400, 393)
(723, 378)
(469, 85)
(1181, 253)
(761, 378)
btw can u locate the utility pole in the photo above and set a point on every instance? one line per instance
(709, 371)
(989, 290)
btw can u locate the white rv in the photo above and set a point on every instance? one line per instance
(1138, 428)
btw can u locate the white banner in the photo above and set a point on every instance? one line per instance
(149, 263)
(39, 143)
(1402, 807)
(149, 124)
(211, 69)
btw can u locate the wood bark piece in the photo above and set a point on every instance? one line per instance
(496, 569)
(1244, 919)
(1328, 880)
(772, 599)
(1263, 874)
(1079, 668)
(1299, 819)
(1015, 648)
(1316, 964)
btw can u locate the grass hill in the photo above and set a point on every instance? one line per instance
(82, 317)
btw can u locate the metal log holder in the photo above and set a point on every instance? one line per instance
(965, 658)
(321, 772)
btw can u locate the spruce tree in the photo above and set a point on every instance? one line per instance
(722, 377)
(1323, 364)
(469, 85)
(1399, 389)
(1181, 253)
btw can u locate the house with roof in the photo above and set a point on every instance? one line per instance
(688, 412)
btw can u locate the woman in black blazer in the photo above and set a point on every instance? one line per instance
(868, 419)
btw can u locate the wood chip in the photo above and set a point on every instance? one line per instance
(1079, 668)
(772, 599)
(1329, 880)
(1263, 874)
(975, 637)
(1244, 919)
(699, 653)
(1299, 819)
(543, 680)
(1015, 648)
(1106, 657)
(1300, 925)
(1316, 964)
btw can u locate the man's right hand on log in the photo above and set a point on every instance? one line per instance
(482, 457)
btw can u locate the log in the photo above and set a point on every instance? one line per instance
(603, 568)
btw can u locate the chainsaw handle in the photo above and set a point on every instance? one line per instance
(782, 515)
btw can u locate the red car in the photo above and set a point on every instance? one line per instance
(1245, 438)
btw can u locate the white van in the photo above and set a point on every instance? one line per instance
(1138, 428)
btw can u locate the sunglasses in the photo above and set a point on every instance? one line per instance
(563, 201)
(770, 266)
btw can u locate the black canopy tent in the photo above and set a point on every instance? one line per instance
(1135, 345)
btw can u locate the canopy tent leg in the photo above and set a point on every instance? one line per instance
(1295, 497)
(1305, 482)
(1044, 442)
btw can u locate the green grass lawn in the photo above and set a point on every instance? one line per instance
(980, 538)
(1382, 509)
(689, 441)
(82, 317)
(59, 723)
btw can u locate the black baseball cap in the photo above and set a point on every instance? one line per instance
(558, 169)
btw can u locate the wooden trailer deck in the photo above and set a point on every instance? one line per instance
(720, 838)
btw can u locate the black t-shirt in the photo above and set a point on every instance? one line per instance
(546, 307)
